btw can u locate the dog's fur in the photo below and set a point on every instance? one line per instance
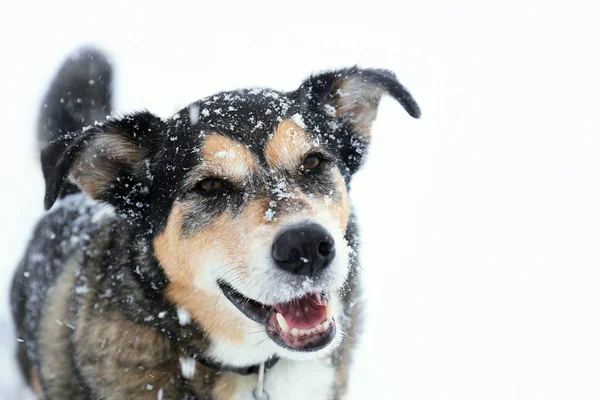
(117, 295)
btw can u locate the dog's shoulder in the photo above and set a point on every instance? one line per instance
(74, 224)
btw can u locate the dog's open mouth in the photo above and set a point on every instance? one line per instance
(303, 324)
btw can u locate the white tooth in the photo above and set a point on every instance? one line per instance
(319, 328)
(326, 325)
(329, 311)
(295, 331)
(313, 331)
(282, 322)
(302, 332)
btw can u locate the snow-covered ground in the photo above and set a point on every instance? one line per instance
(481, 222)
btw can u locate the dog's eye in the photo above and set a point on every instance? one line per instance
(311, 162)
(210, 185)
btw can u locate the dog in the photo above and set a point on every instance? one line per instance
(211, 255)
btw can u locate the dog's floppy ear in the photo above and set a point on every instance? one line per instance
(352, 95)
(107, 161)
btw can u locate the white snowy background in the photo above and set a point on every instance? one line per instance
(480, 222)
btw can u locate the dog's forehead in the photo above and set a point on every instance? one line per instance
(242, 133)
(249, 116)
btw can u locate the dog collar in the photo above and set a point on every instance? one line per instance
(249, 370)
(261, 369)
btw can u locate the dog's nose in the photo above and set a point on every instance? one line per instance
(304, 250)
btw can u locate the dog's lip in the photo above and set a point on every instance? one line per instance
(252, 309)
(264, 314)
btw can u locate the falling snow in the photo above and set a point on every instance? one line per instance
(298, 120)
(329, 110)
(269, 214)
(225, 154)
(184, 316)
(188, 367)
(194, 114)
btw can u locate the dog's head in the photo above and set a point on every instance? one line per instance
(245, 197)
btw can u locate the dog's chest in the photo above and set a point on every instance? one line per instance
(287, 380)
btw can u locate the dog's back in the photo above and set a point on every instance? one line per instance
(79, 95)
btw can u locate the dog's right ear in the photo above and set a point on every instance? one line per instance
(107, 161)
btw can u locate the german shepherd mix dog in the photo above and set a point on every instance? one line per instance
(211, 255)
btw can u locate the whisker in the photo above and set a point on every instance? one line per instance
(261, 342)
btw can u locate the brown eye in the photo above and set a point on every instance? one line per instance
(311, 162)
(209, 185)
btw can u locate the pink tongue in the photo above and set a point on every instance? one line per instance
(305, 312)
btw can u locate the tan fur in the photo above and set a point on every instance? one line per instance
(176, 255)
(201, 306)
(223, 238)
(287, 146)
(223, 158)
(120, 359)
(95, 169)
(132, 361)
(358, 101)
(36, 385)
(225, 388)
(342, 206)
(53, 336)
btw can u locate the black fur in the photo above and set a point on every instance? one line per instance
(80, 95)
(145, 161)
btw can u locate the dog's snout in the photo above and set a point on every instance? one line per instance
(304, 250)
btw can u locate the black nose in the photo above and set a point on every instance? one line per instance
(304, 250)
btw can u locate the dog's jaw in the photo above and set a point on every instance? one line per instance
(257, 346)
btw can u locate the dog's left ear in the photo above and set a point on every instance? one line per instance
(109, 162)
(352, 95)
